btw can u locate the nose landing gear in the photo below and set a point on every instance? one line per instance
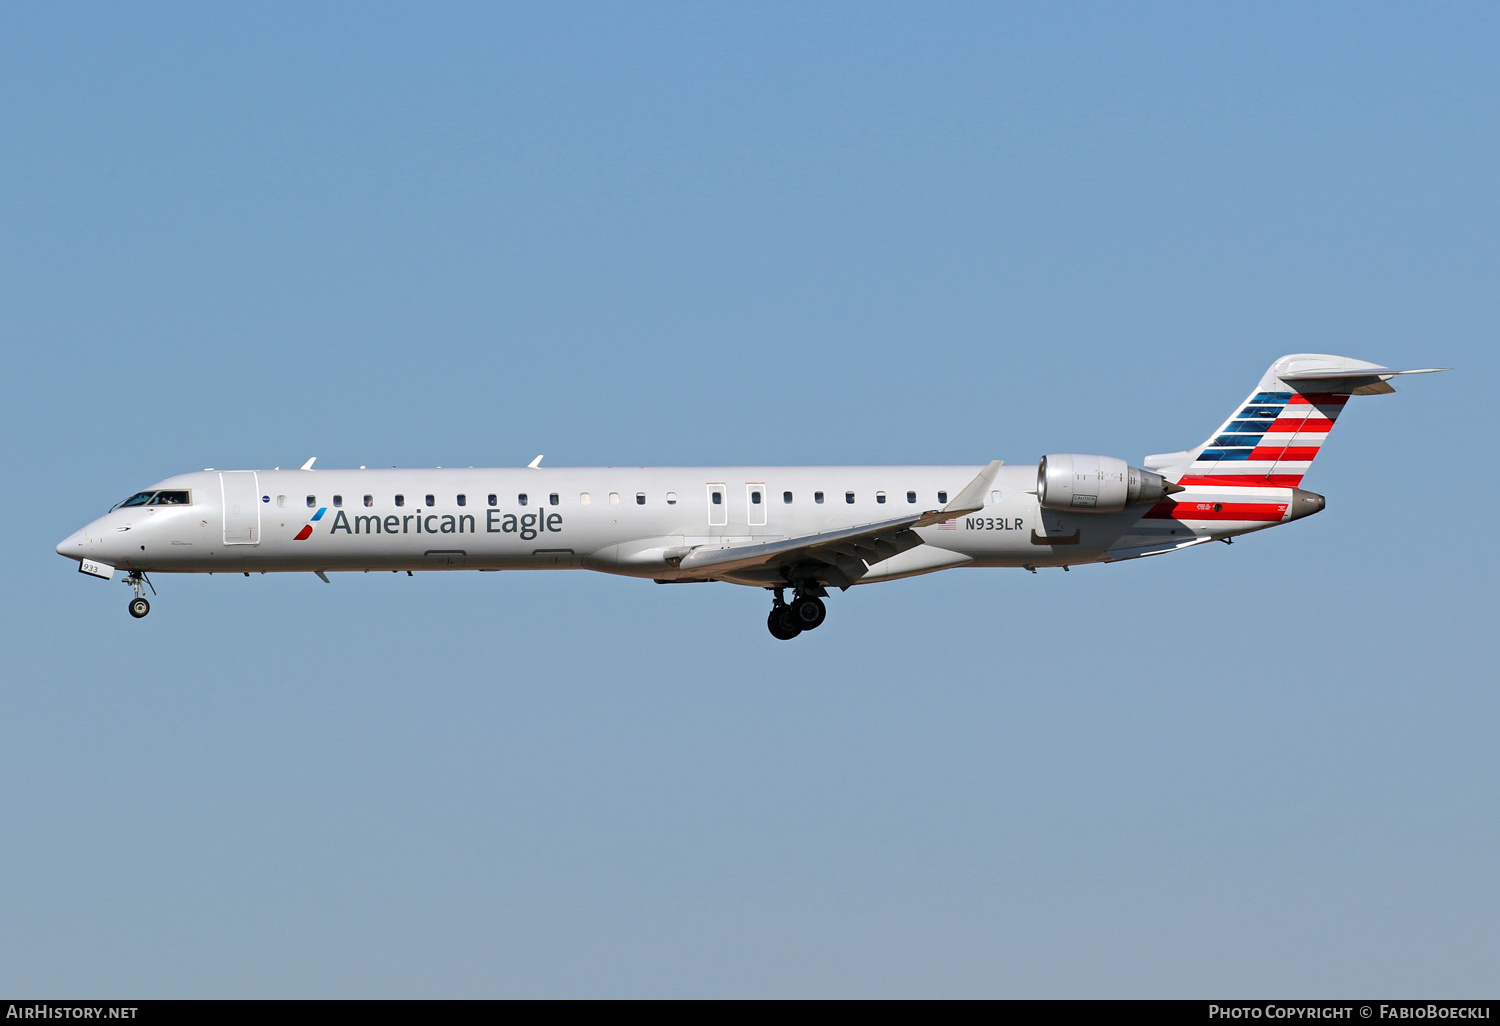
(804, 613)
(139, 607)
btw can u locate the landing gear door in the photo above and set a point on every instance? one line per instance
(241, 494)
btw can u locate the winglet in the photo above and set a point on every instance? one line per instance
(966, 501)
(972, 497)
(535, 464)
(309, 463)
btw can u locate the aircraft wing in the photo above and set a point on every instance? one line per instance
(865, 543)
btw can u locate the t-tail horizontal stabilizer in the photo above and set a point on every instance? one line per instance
(1368, 380)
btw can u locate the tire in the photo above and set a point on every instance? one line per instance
(139, 607)
(781, 624)
(809, 612)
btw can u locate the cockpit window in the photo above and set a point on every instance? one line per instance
(170, 498)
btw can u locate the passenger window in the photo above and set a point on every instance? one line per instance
(431, 501)
(718, 498)
(338, 502)
(312, 500)
(584, 498)
(614, 498)
(755, 498)
(281, 502)
(463, 500)
(494, 499)
(911, 496)
(849, 498)
(521, 499)
(880, 496)
(401, 500)
(369, 500)
(942, 497)
(640, 498)
(994, 498)
(671, 498)
(786, 497)
(552, 500)
(818, 498)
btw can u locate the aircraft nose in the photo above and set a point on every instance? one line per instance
(71, 546)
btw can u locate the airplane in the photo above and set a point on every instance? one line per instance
(801, 530)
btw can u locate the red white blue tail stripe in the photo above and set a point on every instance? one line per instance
(1269, 442)
(1246, 470)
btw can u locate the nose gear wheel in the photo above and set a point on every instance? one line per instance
(138, 580)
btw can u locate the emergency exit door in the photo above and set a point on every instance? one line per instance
(718, 504)
(755, 503)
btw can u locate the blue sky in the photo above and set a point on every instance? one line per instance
(685, 234)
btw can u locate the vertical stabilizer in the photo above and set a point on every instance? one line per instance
(1273, 436)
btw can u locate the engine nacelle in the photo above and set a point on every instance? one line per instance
(1096, 484)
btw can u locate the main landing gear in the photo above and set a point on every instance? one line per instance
(139, 607)
(804, 613)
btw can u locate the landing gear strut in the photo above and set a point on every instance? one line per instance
(139, 607)
(804, 613)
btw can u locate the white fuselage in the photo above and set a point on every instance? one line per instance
(616, 520)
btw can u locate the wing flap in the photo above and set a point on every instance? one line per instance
(849, 541)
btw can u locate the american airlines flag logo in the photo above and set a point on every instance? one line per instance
(306, 531)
